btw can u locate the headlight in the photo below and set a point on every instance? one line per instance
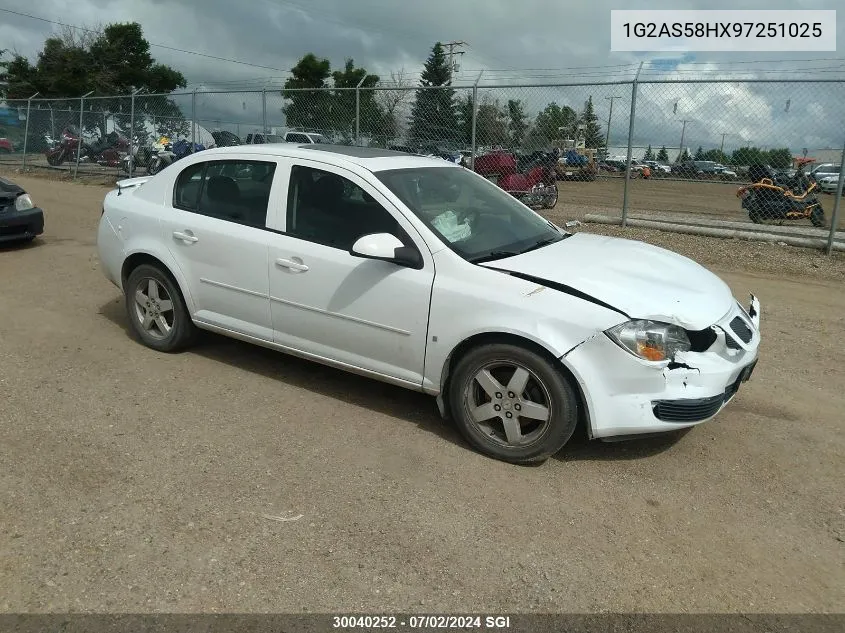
(650, 340)
(23, 202)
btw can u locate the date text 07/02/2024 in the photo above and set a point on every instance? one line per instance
(421, 622)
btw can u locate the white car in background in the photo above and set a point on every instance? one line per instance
(421, 273)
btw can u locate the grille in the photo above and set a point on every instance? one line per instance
(687, 410)
(741, 329)
(731, 342)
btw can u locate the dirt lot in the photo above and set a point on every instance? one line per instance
(135, 481)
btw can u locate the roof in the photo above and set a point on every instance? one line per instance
(371, 158)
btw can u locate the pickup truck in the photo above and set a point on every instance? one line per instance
(289, 137)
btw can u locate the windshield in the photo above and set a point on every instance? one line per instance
(319, 138)
(474, 217)
(274, 138)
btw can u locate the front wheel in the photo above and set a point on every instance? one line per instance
(156, 310)
(512, 404)
(155, 166)
(817, 217)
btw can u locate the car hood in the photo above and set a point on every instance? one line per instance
(9, 191)
(638, 279)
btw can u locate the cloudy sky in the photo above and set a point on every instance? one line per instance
(526, 42)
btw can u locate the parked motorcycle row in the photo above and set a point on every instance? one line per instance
(112, 150)
(775, 196)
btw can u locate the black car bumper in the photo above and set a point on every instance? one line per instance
(21, 225)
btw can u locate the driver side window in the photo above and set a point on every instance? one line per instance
(332, 210)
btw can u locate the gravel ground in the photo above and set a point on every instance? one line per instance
(134, 481)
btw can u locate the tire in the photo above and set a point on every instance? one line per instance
(546, 388)
(550, 201)
(155, 166)
(181, 333)
(817, 217)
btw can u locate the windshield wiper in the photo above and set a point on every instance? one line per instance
(492, 255)
(543, 242)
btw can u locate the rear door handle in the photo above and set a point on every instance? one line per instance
(185, 237)
(292, 265)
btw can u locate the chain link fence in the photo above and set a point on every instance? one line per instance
(654, 150)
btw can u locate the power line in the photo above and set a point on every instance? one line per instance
(170, 48)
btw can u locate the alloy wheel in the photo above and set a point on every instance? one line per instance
(154, 309)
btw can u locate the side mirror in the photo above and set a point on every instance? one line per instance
(388, 248)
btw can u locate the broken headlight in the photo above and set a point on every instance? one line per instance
(650, 340)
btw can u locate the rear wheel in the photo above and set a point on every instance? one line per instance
(155, 166)
(817, 217)
(550, 200)
(157, 311)
(512, 404)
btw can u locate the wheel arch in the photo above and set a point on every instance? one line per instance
(485, 338)
(138, 258)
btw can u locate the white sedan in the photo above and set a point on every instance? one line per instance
(423, 274)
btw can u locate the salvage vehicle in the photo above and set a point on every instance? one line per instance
(423, 274)
(20, 219)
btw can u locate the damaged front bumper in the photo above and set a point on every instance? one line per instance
(627, 396)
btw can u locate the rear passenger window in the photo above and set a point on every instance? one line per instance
(233, 190)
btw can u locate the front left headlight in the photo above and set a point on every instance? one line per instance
(23, 202)
(650, 340)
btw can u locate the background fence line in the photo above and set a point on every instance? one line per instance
(727, 123)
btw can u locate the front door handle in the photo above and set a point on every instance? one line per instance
(292, 265)
(185, 237)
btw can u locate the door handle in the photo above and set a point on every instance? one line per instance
(185, 237)
(292, 265)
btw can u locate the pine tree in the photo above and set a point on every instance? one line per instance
(592, 130)
(663, 155)
(685, 156)
(649, 154)
(699, 153)
(434, 117)
(517, 123)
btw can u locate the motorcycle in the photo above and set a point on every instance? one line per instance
(532, 180)
(171, 153)
(107, 151)
(779, 197)
(65, 148)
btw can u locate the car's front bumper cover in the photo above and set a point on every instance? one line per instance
(20, 225)
(625, 396)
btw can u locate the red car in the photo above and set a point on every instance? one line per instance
(6, 146)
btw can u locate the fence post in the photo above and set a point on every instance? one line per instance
(358, 111)
(81, 136)
(193, 119)
(26, 129)
(132, 132)
(52, 123)
(834, 219)
(264, 110)
(474, 117)
(630, 146)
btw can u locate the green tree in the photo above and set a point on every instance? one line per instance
(749, 156)
(553, 123)
(434, 113)
(517, 123)
(717, 156)
(649, 154)
(685, 156)
(306, 90)
(342, 103)
(780, 158)
(699, 153)
(663, 155)
(113, 61)
(593, 137)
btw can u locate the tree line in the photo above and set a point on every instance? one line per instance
(779, 158)
(439, 115)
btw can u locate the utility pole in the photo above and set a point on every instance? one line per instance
(452, 52)
(722, 146)
(681, 146)
(610, 114)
